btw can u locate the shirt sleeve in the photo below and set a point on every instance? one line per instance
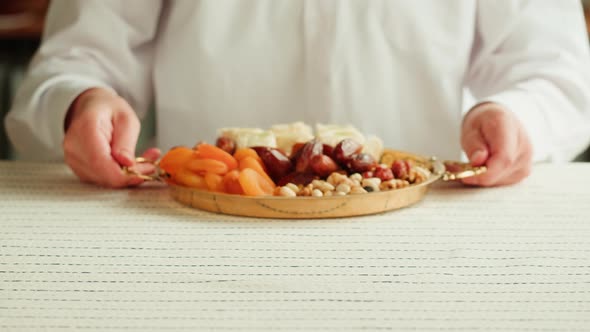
(532, 57)
(86, 44)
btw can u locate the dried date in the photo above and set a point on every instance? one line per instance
(305, 154)
(345, 151)
(361, 163)
(277, 163)
(323, 165)
(297, 178)
(226, 144)
(383, 173)
(401, 169)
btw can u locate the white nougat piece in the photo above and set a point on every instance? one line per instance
(373, 146)
(248, 137)
(333, 134)
(289, 134)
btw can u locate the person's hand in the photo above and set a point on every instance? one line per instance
(493, 136)
(101, 132)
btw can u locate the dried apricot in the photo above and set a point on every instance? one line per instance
(208, 151)
(258, 166)
(254, 184)
(214, 182)
(231, 183)
(207, 166)
(190, 179)
(175, 159)
(246, 152)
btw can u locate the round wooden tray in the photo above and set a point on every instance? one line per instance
(324, 207)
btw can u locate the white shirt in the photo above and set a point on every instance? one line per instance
(394, 68)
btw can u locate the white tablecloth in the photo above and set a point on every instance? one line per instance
(77, 257)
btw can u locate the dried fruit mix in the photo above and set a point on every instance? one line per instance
(248, 162)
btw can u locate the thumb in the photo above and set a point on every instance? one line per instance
(475, 146)
(126, 128)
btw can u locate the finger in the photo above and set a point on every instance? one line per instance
(88, 174)
(497, 170)
(501, 136)
(521, 170)
(83, 143)
(112, 176)
(134, 181)
(473, 180)
(78, 168)
(523, 164)
(472, 140)
(152, 154)
(517, 176)
(142, 168)
(126, 128)
(87, 148)
(108, 173)
(475, 147)
(97, 158)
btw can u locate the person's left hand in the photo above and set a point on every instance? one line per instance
(493, 136)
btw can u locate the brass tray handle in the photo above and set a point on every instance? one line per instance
(447, 170)
(455, 170)
(310, 207)
(158, 175)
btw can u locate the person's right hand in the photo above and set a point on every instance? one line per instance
(101, 132)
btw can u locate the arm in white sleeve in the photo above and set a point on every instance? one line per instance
(86, 44)
(532, 57)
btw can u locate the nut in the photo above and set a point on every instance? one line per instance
(336, 178)
(293, 187)
(317, 193)
(387, 185)
(357, 190)
(343, 188)
(393, 184)
(356, 177)
(322, 185)
(305, 191)
(372, 183)
(287, 192)
(422, 174)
